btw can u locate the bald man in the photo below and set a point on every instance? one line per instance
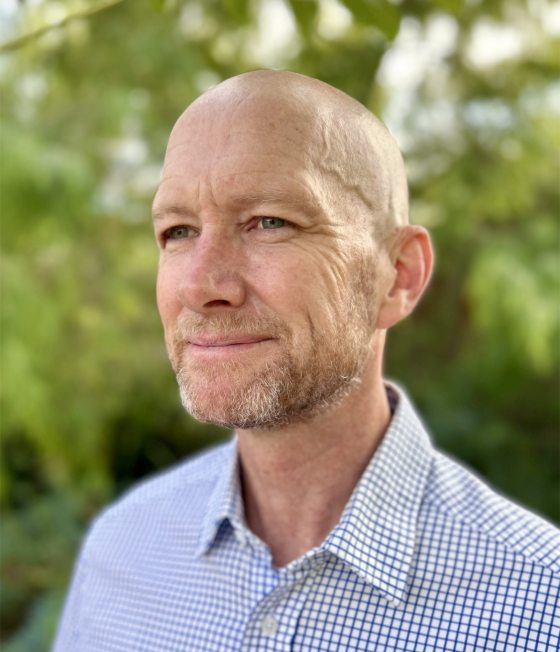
(328, 522)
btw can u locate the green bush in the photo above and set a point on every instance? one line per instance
(89, 403)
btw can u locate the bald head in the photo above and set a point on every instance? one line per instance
(345, 143)
(282, 214)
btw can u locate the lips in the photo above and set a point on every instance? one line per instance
(215, 341)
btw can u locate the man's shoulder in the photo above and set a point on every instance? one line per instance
(198, 471)
(181, 492)
(459, 497)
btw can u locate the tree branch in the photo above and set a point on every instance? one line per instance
(22, 40)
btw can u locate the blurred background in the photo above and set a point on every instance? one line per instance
(90, 91)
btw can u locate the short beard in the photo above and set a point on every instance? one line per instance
(281, 393)
(289, 388)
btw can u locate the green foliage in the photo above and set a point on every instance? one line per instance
(89, 403)
(384, 15)
(305, 12)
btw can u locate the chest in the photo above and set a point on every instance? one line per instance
(237, 602)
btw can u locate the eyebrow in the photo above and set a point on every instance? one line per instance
(160, 212)
(278, 197)
(265, 197)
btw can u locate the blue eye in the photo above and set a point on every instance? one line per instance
(178, 233)
(272, 222)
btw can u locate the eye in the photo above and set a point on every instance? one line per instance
(271, 223)
(178, 233)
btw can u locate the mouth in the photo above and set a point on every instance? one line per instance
(211, 341)
(226, 345)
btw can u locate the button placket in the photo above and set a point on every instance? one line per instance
(269, 625)
(264, 631)
(274, 622)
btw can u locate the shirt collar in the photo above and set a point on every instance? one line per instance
(377, 531)
(225, 506)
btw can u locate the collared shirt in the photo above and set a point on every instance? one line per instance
(425, 557)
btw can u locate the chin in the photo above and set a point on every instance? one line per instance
(230, 409)
(258, 406)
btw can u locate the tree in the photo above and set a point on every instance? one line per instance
(89, 402)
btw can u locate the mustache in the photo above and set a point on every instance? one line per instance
(189, 326)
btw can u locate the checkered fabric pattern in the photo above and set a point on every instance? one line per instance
(425, 557)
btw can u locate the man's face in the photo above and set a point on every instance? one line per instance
(266, 283)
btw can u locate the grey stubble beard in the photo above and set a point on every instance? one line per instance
(286, 389)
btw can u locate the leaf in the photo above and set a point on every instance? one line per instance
(383, 15)
(452, 6)
(305, 13)
(29, 37)
(158, 5)
(239, 10)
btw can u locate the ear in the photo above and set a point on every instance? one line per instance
(411, 258)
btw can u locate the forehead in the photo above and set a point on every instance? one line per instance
(249, 127)
(246, 150)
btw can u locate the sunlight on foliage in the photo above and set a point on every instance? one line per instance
(91, 90)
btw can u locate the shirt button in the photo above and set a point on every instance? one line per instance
(269, 625)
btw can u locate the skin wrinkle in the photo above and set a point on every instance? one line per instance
(335, 162)
(323, 124)
(354, 120)
(281, 391)
(348, 132)
(312, 197)
(346, 156)
(313, 200)
(287, 140)
(347, 151)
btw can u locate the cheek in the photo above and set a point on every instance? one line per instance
(280, 281)
(347, 281)
(301, 286)
(166, 296)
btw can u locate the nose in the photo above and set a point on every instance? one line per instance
(211, 276)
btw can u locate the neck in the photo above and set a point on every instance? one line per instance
(297, 480)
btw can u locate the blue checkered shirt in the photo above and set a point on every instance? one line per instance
(425, 557)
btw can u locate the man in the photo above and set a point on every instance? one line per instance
(328, 522)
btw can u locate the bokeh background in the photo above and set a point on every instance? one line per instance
(90, 91)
